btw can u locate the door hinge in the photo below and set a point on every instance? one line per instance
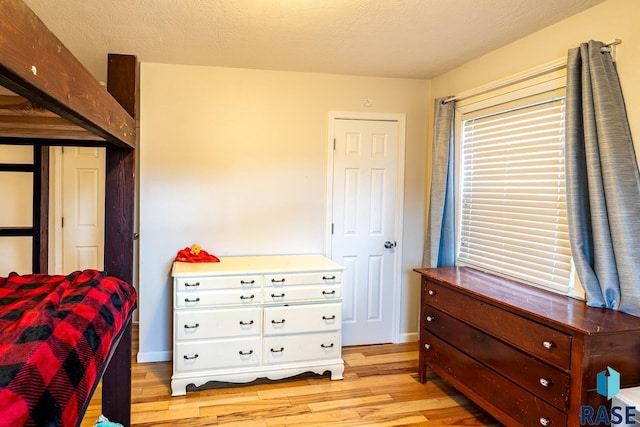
(334, 144)
(62, 222)
(332, 228)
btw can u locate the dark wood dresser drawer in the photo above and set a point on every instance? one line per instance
(549, 383)
(488, 337)
(513, 405)
(541, 341)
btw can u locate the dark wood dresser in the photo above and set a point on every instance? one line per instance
(527, 356)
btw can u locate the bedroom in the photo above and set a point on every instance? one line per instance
(181, 93)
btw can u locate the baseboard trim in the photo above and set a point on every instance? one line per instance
(153, 356)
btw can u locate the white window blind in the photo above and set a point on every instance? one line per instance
(513, 210)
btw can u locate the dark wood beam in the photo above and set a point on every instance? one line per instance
(36, 65)
(119, 230)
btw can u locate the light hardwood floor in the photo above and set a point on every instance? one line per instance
(380, 388)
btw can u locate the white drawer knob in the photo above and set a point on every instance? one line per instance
(430, 318)
(427, 346)
(545, 422)
(545, 382)
(431, 292)
(548, 345)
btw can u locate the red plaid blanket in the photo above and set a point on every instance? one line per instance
(55, 333)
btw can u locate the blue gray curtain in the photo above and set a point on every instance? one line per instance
(603, 183)
(440, 242)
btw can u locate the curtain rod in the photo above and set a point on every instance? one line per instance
(549, 67)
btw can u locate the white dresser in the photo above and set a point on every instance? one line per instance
(252, 317)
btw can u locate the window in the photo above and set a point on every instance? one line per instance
(511, 206)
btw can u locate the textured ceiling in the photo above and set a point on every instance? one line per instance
(390, 38)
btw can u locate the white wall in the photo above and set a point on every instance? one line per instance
(236, 159)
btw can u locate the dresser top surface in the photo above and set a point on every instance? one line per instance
(545, 306)
(262, 264)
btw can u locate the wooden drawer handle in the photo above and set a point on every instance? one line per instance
(329, 318)
(276, 322)
(191, 326)
(245, 353)
(277, 296)
(431, 292)
(431, 318)
(326, 346)
(548, 345)
(242, 297)
(545, 422)
(195, 356)
(273, 350)
(328, 277)
(333, 292)
(243, 323)
(191, 300)
(250, 282)
(277, 281)
(192, 285)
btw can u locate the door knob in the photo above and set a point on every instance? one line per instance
(389, 244)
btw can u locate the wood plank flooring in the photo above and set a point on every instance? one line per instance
(380, 388)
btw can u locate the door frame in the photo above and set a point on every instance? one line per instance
(399, 202)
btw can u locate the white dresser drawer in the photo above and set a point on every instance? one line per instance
(285, 294)
(216, 298)
(297, 348)
(207, 324)
(286, 279)
(302, 318)
(247, 282)
(220, 354)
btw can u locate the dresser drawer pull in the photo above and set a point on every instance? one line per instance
(545, 422)
(242, 297)
(431, 318)
(192, 285)
(277, 281)
(329, 318)
(431, 292)
(277, 296)
(191, 300)
(545, 382)
(328, 277)
(427, 346)
(195, 356)
(333, 292)
(245, 353)
(276, 322)
(326, 346)
(191, 326)
(548, 345)
(250, 282)
(243, 323)
(280, 350)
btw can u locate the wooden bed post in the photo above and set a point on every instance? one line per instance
(119, 230)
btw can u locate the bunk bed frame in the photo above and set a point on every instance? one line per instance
(61, 104)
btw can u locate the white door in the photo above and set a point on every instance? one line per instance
(364, 223)
(83, 176)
